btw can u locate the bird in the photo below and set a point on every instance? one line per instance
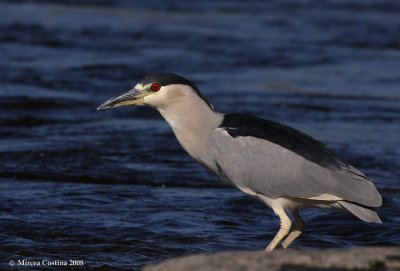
(283, 167)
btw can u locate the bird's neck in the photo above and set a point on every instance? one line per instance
(192, 121)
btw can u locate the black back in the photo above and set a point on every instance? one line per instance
(166, 79)
(298, 142)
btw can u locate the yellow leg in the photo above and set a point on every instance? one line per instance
(283, 230)
(297, 229)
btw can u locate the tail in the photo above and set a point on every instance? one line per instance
(362, 212)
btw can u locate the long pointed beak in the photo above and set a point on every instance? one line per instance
(132, 97)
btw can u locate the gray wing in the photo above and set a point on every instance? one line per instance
(260, 166)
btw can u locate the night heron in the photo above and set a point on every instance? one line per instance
(281, 166)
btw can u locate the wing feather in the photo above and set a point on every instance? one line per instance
(264, 167)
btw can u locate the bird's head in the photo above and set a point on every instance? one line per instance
(157, 90)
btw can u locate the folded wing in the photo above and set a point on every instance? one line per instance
(275, 160)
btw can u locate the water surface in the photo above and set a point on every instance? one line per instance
(115, 189)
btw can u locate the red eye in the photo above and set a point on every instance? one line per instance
(155, 87)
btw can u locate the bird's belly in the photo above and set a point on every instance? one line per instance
(247, 190)
(297, 203)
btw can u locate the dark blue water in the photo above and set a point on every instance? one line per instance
(115, 189)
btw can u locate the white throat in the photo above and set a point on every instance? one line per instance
(192, 121)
